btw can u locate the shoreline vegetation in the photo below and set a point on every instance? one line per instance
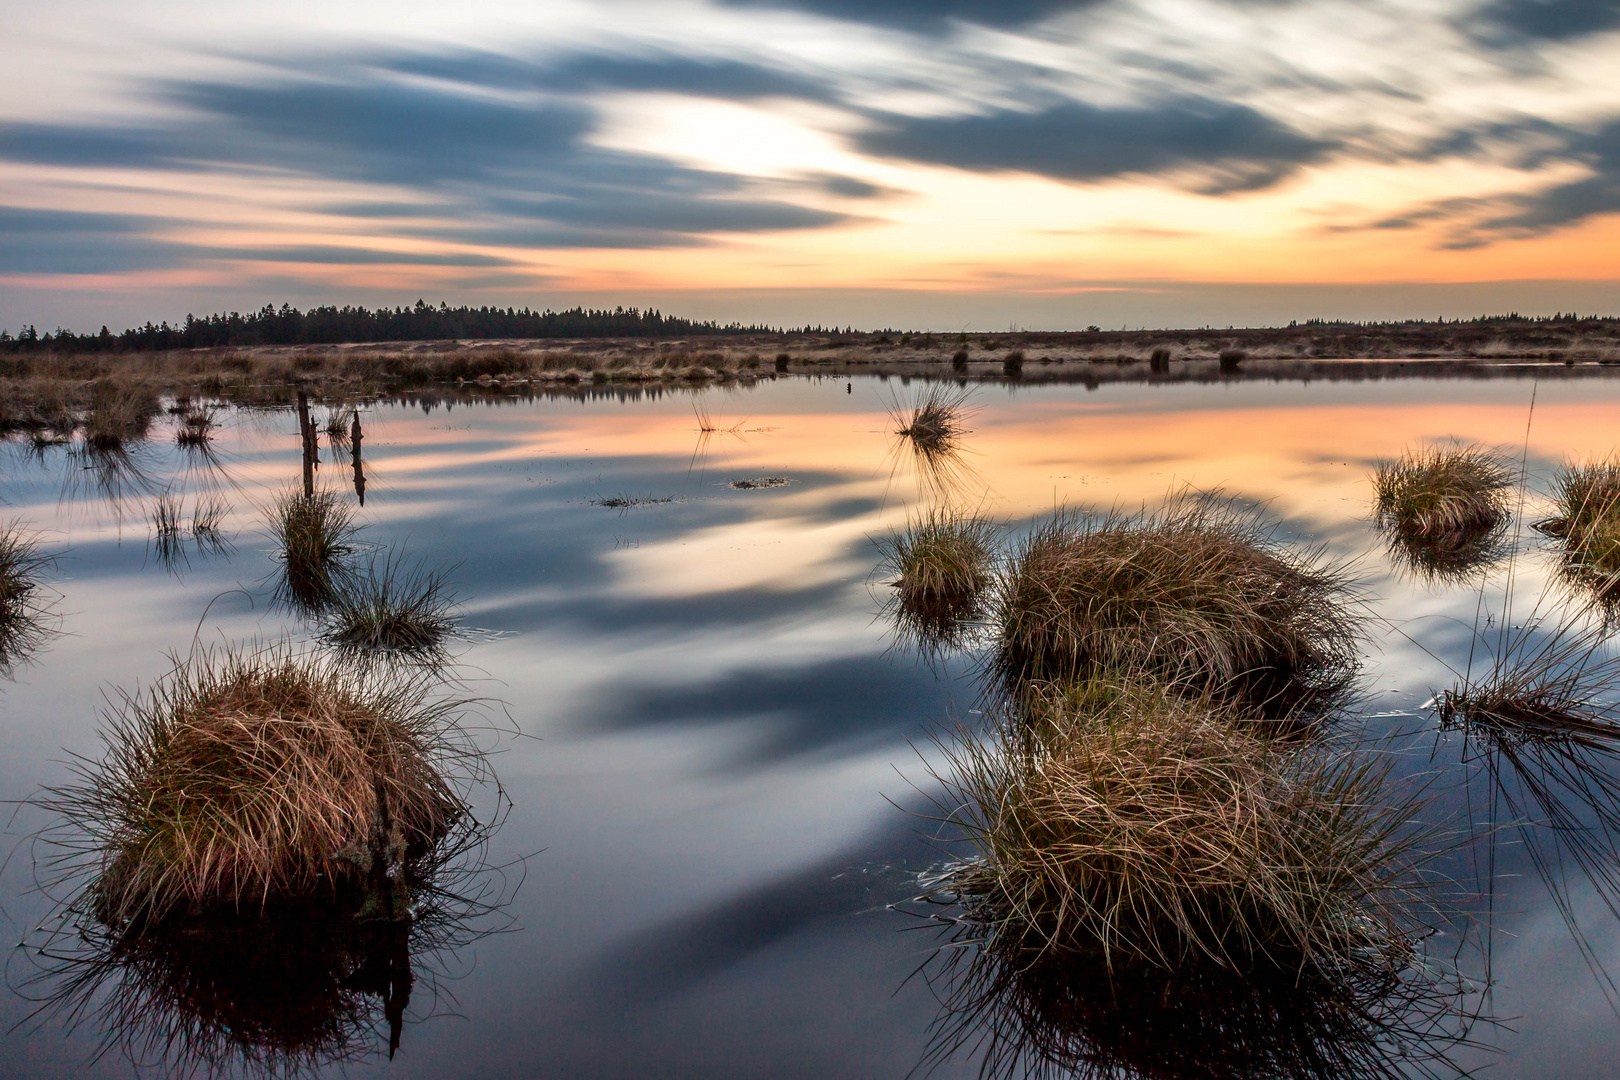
(44, 377)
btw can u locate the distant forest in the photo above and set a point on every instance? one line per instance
(334, 326)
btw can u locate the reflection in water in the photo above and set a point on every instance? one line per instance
(289, 988)
(931, 434)
(114, 474)
(25, 623)
(1074, 1015)
(1540, 719)
(1451, 559)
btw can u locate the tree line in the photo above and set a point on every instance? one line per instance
(333, 325)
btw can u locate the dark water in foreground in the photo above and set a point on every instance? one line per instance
(720, 742)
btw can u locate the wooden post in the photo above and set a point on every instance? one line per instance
(306, 432)
(355, 436)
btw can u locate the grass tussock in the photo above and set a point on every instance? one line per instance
(937, 422)
(247, 775)
(1127, 819)
(1198, 594)
(196, 428)
(391, 606)
(24, 605)
(941, 567)
(1442, 504)
(120, 413)
(312, 534)
(1587, 519)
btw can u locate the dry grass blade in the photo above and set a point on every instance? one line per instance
(24, 603)
(255, 774)
(1198, 593)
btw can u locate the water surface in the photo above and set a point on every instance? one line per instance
(722, 747)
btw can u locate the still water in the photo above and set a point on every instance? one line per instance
(715, 750)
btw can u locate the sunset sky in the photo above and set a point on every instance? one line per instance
(950, 165)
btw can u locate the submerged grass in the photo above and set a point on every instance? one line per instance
(253, 774)
(391, 606)
(1199, 594)
(312, 532)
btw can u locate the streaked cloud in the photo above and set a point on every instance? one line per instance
(828, 142)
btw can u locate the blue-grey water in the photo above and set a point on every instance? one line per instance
(716, 752)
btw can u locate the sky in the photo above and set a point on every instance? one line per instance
(1045, 164)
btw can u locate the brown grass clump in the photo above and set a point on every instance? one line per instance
(941, 567)
(23, 601)
(313, 533)
(247, 775)
(1127, 819)
(392, 606)
(1197, 594)
(1442, 505)
(1588, 521)
(120, 412)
